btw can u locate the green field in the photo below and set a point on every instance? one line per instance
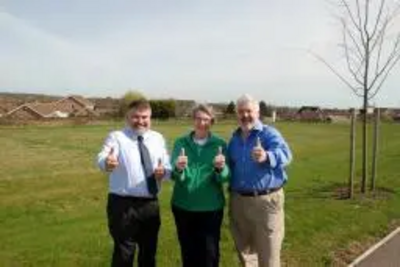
(52, 198)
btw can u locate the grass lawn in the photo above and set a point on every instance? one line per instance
(52, 198)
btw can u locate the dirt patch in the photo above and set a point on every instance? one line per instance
(341, 192)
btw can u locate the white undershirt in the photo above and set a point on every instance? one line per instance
(201, 141)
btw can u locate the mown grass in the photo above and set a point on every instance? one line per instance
(52, 198)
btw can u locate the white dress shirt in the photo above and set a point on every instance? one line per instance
(128, 178)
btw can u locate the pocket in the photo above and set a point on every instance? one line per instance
(272, 203)
(278, 199)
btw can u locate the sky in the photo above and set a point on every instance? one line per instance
(209, 50)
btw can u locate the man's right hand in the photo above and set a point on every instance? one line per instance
(182, 160)
(111, 161)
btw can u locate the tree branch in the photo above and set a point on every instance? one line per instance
(348, 58)
(393, 57)
(353, 39)
(357, 93)
(357, 26)
(354, 89)
(381, 34)
(367, 35)
(360, 22)
(365, 26)
(384, 77)
(379, 55)
(378, 19)
(388, 19)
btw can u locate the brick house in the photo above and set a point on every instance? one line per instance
(311, 114)
(71, 106)
(107, 107)
(395, 114)
(24, 112)
(183, 108)
(74, 104)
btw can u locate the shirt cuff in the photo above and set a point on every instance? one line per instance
(102, 164)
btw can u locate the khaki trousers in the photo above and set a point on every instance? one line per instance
(257, 225)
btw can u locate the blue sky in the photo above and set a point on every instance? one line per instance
(209, 50)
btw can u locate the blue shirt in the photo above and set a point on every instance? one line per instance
(128, 178)
(249, 175)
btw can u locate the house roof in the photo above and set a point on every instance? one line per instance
(106, 103)
(309, 108)
(46, 109)
(28, 106)
(78, 99)
(43, 108)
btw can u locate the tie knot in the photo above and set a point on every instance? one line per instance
(140, 138)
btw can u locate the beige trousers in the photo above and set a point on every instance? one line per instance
(257, 225)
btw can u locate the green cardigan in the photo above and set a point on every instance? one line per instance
(199, 186)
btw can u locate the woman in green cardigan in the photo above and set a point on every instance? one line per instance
(198, 199)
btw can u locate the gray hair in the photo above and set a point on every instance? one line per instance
(204, 108)
(247, 99)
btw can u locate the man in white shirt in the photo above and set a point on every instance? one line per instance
(137, 160)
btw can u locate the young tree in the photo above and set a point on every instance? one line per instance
(371, 50)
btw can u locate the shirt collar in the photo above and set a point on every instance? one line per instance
(190, 137)
(134, 134)
(258, 126)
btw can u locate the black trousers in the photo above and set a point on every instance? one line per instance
(133, 222)
(199, 234)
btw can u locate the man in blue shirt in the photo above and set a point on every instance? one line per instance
(257, 155)
(136, 159)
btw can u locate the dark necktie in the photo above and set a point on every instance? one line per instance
(147, 167)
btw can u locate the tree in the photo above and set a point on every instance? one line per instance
(230, 109)
(163, 109)
(265, 110)
(370, 52)
(127, 98)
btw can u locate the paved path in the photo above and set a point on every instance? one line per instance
(385, 253)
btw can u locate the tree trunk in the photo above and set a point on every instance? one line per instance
(365, 118)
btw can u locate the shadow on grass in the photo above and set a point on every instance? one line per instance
(340, 191)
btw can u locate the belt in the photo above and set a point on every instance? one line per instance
(132, 198)
(256, 193)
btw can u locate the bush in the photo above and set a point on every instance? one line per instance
(163, 109)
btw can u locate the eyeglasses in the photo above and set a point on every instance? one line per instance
(202, 119)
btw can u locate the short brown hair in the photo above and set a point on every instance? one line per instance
(141, 103)
(206, 109)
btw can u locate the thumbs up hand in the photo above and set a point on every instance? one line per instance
(259, 154)
(159, 171)
(111, 160)
(219, 160)
(182, 160)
